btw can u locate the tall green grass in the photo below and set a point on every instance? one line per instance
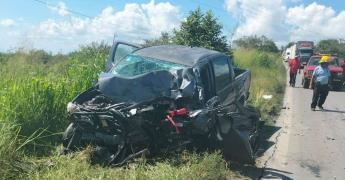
(268, 78)
(34, 94)
(36, 86)
(182, 166)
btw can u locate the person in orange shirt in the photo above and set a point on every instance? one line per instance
(294, 68)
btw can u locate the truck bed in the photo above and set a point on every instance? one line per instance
(242, 83)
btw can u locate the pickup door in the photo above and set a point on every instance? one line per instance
(231, 86)
(228, 83)
(223, 78)
(118, 51)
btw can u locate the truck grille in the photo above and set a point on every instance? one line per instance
(304, 59)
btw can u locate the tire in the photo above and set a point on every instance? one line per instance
(71, 139)
(76, 137)
(306, 83)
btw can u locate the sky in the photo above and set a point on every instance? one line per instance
(64, 25)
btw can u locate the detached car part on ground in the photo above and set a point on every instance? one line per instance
(163, 99)
(337, 72)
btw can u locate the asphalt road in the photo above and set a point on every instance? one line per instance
(308, 145)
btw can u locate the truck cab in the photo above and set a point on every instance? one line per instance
(337, 72)
(305, 50)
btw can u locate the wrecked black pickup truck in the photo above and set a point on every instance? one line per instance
(163, 99)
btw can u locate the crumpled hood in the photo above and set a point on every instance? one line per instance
(149, 86)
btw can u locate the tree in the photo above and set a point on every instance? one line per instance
(261, 43)
(289, 45)
(201, 30)
(331, 46)
(165, 38)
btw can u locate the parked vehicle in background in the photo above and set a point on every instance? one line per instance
(162, 99)
(337, 72)
(304, 50)
(342, 64)
(287, 54)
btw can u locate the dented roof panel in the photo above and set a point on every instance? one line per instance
(188, 56)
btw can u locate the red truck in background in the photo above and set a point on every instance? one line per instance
(335, 67)
(304, 50)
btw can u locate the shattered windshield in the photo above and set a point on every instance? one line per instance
(134, 65)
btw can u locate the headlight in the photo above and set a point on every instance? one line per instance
(339, 73)
(133, 111)
(71, 107)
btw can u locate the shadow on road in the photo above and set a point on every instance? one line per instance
(266, 133)
(271, 173)
(330, 110)
(254, 172)
(332, 90)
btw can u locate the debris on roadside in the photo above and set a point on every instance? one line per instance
(267, 97)
(299, 134)
(330, 138)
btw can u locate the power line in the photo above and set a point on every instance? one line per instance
(68, 10)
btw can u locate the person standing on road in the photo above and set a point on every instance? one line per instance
(294, 67)
(319, 81)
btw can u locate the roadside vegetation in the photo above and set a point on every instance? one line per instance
(268, 80)
(333, 46)
(36, 86)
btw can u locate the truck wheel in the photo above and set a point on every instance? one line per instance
(71, 139)
(305, 83)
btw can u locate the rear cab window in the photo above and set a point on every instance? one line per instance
(222, 73)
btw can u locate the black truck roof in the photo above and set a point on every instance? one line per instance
(185, 55)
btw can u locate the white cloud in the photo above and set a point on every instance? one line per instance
(7, 22)
(134, 23)
(264, 17)
(316, 22)
(230, 5)
(161, 16)
(274, 20)
(61, 9)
